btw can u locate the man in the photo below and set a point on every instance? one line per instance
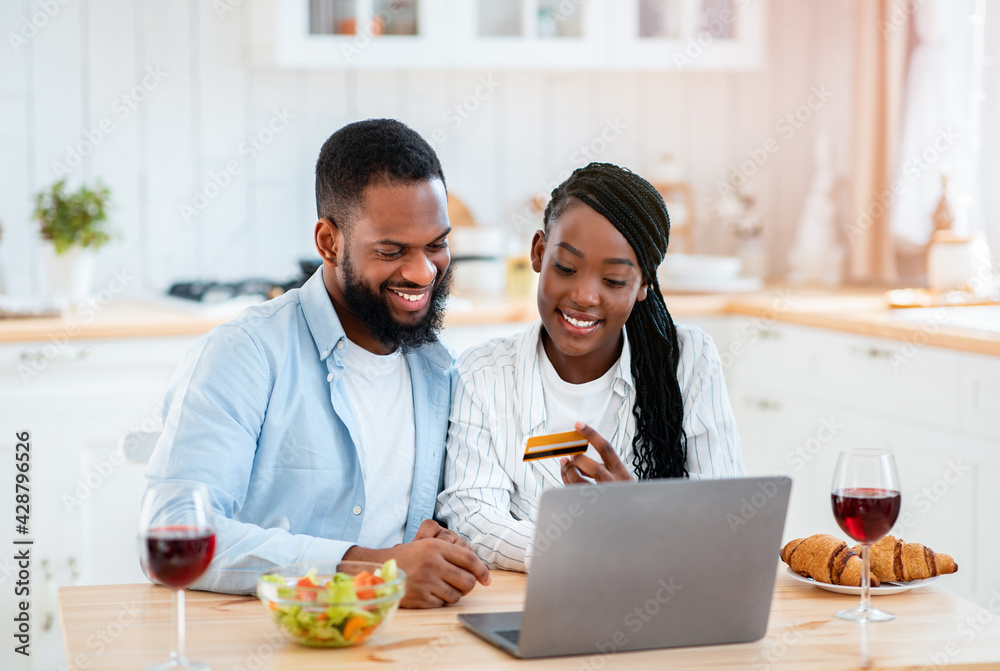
(318, 419)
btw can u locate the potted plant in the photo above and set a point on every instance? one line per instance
(75, 226)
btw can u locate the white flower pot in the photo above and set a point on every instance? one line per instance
(71, 275)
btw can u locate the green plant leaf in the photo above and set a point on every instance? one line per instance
(73, 219)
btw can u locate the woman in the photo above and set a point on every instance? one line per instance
(605, 358)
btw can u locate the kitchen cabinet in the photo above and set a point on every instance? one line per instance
(670, 35)
(687, 35)
(76, 399)
(802, 394)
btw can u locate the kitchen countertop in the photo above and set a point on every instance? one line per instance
(851, 310)
(932, 627)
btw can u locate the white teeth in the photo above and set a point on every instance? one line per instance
(577, 323)
(410, 297)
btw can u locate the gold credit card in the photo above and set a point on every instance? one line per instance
(555, 445)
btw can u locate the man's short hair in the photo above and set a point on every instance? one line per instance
(365, 153)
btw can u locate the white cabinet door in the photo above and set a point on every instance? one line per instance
(986, 537)
(670, 35)
(529, 34)
(893, 379)
(687, 35)
(980, 395)
(76, 401)
(286, 33)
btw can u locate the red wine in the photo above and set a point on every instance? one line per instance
(866, 514)
(177, 556)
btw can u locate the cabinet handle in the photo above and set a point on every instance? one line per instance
(765, 404)
(49, 598)
(74, 571)
(873, 352)
(64, 354)
(770, 334)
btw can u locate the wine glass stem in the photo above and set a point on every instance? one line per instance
(179, 630)
(866, 595)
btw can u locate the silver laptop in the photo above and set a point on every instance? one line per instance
(634, 566)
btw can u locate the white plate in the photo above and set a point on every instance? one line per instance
(702, 285)
(699, 265)
(883, 590)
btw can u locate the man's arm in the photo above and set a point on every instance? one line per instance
(213, 413)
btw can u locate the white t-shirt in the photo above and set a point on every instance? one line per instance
(567, 403)
(381, 398)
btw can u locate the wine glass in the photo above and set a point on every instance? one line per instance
(866, 501)
(176, 544)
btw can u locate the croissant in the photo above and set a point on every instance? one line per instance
(825, 559)
(893, 560)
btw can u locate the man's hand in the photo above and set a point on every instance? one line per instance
(440, 568)
(431, 529)
(576, 470)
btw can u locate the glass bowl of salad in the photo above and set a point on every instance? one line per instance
(332, 605)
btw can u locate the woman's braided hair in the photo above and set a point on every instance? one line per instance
(637, 210)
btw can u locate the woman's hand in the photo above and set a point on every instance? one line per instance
(576, 469)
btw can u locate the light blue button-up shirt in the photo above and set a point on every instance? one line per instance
(259, 413)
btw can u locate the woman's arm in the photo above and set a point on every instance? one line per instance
(713, 444)
(476, 497)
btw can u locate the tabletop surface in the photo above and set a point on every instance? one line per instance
(933, 629)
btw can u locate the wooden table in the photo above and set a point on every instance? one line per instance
(128, 626)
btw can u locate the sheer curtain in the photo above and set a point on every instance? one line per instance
(882, 29)
(940, 123)
(915, 118)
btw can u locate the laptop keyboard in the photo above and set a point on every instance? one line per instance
(511, 635)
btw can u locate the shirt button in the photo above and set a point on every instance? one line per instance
(340, 345)
(325, 352)
(357, 510)
(329, 377)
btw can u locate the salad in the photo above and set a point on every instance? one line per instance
(334, 611)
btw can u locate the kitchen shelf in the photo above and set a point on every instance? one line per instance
(636, 35)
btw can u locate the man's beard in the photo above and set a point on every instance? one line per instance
(374, 312)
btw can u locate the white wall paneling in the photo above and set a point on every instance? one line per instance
(516, 143)
(170, 125)
(17, 245)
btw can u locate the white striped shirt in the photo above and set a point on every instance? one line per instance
(491, 496)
